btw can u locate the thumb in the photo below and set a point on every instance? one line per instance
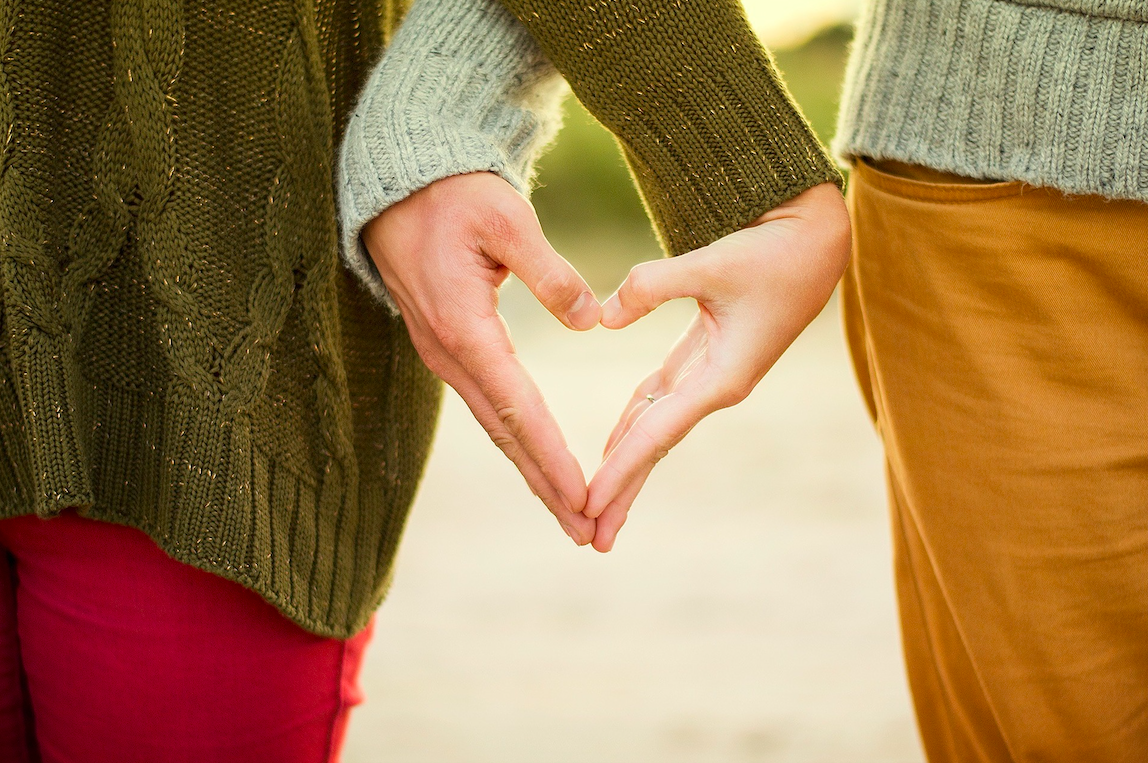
(652, 284)
(522, 247)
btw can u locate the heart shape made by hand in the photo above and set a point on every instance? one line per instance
(444, 252)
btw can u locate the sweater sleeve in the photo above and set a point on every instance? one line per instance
(708, 128)
(462, 88)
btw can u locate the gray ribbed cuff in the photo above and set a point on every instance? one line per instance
(1006, 90)
(462, 88)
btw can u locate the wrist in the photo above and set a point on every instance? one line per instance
(462, 88)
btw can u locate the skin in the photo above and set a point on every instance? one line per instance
(757, 289)
(444, 251)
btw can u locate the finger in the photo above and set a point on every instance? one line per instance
(656, 430)
(596, 509)
(517, 242)
(686, 354)
(627, 421)
(641, 398)
(488, 359)
(654, 283)
(616, 513)
(486, 415)
(580, 528)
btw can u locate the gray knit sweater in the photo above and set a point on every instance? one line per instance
(463, 87)
(1052, 92)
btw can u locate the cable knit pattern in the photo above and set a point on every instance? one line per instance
(181, 348)
(176, 321)
(49, 466)
(463, 88)
(1052, 92)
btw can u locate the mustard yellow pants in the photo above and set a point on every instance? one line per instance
(1000, 335)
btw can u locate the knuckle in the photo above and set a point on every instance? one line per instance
(439, 327)
(641, 284)
(448, 334)
(505, 443)
(437, 364)
(430, 350)
(558, 286)
(510, 416)
(452, 343)
(733, 394)
(503, 219)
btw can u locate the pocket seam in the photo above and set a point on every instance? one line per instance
(923, 190)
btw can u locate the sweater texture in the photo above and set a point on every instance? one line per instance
(709, 131)
(1052, 92)
(182, 350)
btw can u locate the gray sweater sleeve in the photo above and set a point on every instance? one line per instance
(462, 88)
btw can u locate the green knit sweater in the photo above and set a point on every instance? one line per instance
(183, 351)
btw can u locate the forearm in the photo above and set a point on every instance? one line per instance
(711, 134)
(462, 88)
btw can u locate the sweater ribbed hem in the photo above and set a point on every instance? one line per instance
(319, 554)
(1002, 90)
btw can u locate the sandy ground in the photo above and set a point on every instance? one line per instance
(746, 614)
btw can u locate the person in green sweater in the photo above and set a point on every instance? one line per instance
(210, 431)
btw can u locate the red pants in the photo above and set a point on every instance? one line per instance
(112, 651)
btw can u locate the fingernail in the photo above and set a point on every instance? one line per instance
(612, 309)
(584, 312)
(569, 531)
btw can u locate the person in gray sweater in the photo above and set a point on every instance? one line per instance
(997, 313)
(996, 308)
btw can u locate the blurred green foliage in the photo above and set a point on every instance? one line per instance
(587, 201)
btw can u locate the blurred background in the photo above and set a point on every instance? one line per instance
(747, 611)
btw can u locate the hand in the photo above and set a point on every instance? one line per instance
(756, 289)
(442, 253)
